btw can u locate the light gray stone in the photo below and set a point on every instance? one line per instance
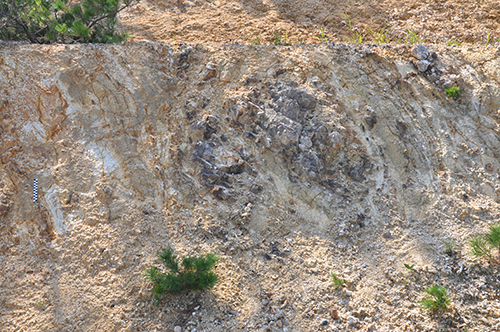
(420, 52)
(423, 65)
(352, 321)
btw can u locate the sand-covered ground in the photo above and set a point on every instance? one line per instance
(228, 21)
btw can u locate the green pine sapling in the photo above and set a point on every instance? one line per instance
(194, 273)
(439, 300)
(484, 245)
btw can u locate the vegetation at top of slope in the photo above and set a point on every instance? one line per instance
(62, 21)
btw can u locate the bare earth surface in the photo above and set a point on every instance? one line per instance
(230, 21)
(289, 162)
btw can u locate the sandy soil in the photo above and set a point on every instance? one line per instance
(230, 21)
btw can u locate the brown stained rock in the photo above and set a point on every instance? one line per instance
(4, 209)
(334, 313)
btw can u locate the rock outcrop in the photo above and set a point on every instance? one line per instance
(225, 149)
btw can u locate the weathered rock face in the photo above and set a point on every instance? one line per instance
(337, 142)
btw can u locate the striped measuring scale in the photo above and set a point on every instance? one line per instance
(35, 190)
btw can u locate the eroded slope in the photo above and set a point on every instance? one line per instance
(291, 163)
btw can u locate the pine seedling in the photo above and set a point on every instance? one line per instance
(450, 248)
(439, 300)
(337, 281)
(493, 237)
(194, 273)
(484, 245)
(480, 247)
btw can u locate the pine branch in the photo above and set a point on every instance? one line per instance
(128, 4)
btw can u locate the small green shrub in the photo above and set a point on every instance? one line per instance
(196, 273)
(280, 39)
(454, 92)
(484, 245)
(256, 40)
(355, 38)
(337, 281)
(489, 40)
(410, 267)
(439, 300)
(40, 303)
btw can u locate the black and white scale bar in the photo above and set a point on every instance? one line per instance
(35, 190)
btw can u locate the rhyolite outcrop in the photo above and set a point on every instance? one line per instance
(335, 141)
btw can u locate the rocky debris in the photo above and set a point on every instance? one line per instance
(284, 130)
(201, 130)
(423, 65)
(467, 21)
(305, 142)
(448, 81)
(352, 321)
(431, 67)
(210, 71)
(420, 52)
